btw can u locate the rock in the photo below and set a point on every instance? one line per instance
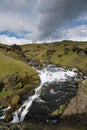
(74, 49)
(78, 81)
(80, 50)
(66, 50)
(58, 111)
(78, 104)
(60, 55)
(17, 47)
(82, 53)
(50, 52)
(1, 86)
(56, 91)
(44, 65)
(38, 112)
(35, 63)
(15, 89)
(8, 117)
(53, 97)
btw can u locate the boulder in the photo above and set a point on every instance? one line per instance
(8, 117)
(78, 105)
(16, 47)
(52, 100)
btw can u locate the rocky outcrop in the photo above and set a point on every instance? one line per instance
(80, 51)
(16, 47)
(14, 89)
(52, 101)
(78, 105)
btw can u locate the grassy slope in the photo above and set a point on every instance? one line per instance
(71, 59)
(9, 66)
(12, 64)
(61, 53)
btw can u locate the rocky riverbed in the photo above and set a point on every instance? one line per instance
(59, 100)
(58, 86)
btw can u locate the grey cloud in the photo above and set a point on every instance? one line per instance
(13, 5)
(43, 18)
(56, 14)
(17, 15)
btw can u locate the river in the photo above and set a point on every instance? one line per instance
(50, 74)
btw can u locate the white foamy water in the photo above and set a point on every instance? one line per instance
(53, 73)
(49, 74)
(3, 110)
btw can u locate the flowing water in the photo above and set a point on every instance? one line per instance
(50, 74)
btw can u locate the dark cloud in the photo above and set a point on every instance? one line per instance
(56, 14)
(43, 19)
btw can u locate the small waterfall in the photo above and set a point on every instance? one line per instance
(49, 74)
(3, 111)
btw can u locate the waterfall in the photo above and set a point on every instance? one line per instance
(50, 74)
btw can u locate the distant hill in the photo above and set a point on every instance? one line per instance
(65, 53)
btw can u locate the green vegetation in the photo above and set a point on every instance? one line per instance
(59, 111)
(66, 54)
(15, 100)
(16, 76)
(9, 66)
(5, 94)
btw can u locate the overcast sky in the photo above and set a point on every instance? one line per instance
(27, 21)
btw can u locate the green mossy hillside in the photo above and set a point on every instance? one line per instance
(10, 66)
(17, 78)
(65, 53)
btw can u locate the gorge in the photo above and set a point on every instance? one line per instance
(43, 83)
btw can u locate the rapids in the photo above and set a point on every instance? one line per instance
(47, 75)
(50, 74)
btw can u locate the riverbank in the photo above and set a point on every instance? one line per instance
(71, 123)
(66, 54)
(17, 78)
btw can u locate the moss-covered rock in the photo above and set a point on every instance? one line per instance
(59, 111)
(15, 100)
(17, 77)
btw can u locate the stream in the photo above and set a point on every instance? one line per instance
(57, 87)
